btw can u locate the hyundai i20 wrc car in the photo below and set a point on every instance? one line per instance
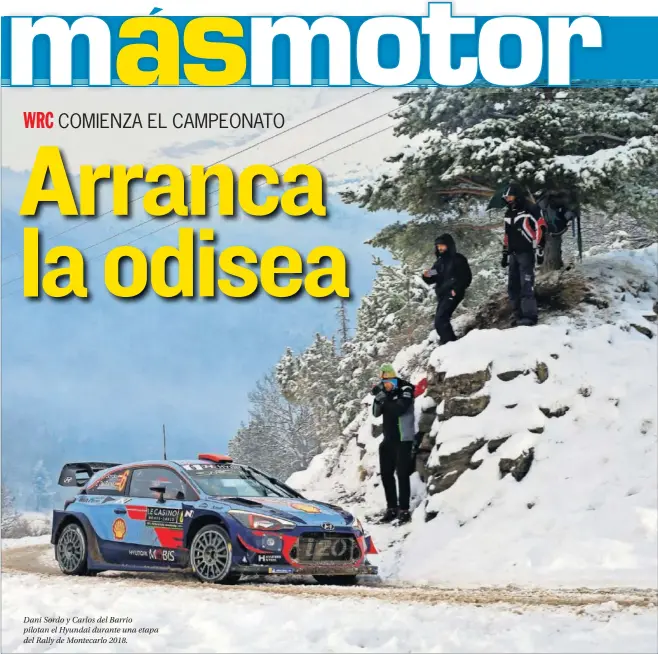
(220, 519)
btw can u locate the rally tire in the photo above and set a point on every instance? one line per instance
(71, 550)
(336, 580)
(211, 555)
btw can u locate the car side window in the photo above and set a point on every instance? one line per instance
(111, 484)
(144, 478)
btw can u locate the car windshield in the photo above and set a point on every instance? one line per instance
(225, 480)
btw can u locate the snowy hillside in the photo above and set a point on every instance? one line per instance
(540, 450)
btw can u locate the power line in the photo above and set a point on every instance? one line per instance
(179, 220)
(230, 156)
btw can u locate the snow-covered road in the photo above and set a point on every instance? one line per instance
(190, 617)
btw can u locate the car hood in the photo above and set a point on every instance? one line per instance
(299, 510)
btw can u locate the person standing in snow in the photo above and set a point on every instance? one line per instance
(523, 247)
(452, 276)
(394, 401)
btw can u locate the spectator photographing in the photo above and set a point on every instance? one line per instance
(394, 400)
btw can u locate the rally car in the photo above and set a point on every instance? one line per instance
(218, 518)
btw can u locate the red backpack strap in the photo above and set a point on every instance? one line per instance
(420, 387)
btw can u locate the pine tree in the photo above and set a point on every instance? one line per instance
(599, 145)
(43, 487)
(10, 518)
(280, 437)
(343, 322)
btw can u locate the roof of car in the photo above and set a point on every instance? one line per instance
(157, 462)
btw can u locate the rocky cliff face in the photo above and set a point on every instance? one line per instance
(538, 458)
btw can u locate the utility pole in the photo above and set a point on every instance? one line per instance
(164, 441)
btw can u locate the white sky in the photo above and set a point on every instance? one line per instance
(183, 147)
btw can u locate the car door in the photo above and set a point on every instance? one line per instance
(158, 525)
(103, 501)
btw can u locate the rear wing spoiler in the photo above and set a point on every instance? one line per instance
(78, 474)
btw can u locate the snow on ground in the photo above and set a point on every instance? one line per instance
(212, 619)
(27, 541)
(587, 512)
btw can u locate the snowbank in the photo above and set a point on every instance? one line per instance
(573, 399)
(211, 619)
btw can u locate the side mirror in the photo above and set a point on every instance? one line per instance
(161, 490)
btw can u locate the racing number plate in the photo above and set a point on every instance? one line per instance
(326, 549)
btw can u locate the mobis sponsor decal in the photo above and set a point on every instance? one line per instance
(168, 556)
(154, 554)
(161, 517)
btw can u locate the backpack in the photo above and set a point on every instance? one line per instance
(560, 209)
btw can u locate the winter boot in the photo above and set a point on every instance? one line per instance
(527, 322)
(389, 516)
(403, 517)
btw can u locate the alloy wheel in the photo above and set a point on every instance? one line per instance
(210, 555)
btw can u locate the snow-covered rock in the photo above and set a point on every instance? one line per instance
(540, 448)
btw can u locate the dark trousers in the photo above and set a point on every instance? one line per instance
(395, 457)
(521, 285)
(444, 310)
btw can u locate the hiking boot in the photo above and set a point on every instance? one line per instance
(403, 517)
(389, 516)
(527, 322)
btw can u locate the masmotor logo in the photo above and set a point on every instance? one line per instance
(182, 48)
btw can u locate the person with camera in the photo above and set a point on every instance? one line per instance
(394, 401)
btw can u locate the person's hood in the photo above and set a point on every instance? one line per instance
(521, 194)
(516, 189)
(447, 240)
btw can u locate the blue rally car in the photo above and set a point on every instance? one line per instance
(221, 519)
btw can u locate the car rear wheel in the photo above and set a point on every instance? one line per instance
(336, 580)
(71, 550)
(210, 555)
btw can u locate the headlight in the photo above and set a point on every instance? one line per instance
(261, 522)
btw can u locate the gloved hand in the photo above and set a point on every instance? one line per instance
(379, 392)
(539, 256)
(503, 262)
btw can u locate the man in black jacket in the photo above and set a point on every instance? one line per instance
(452, 276)
(523, 246)
(394, 400)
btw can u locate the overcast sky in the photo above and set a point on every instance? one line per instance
(97, 379)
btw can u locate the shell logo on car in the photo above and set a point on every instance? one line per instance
(119, 529)
(306, 508)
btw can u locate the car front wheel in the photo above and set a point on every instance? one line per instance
(71, 550)
(210, 555)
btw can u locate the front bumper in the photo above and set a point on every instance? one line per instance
(362, 570)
